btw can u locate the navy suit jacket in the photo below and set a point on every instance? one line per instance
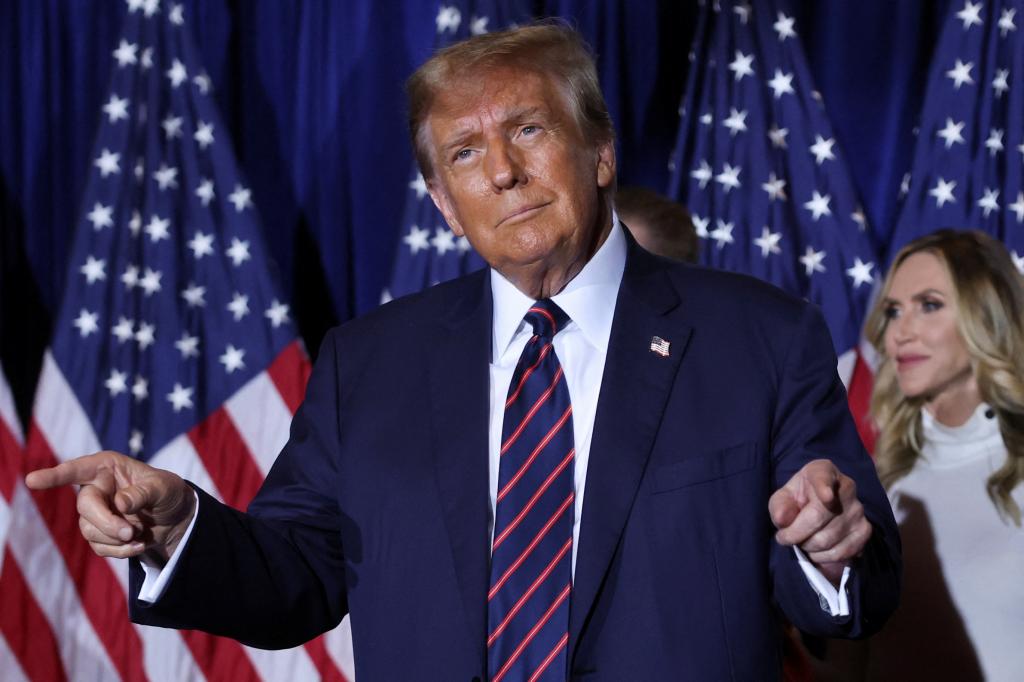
(379, 505)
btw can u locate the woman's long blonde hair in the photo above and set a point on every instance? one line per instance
(989, 293)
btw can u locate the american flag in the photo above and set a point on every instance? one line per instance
(969, 158)
(16, 617)
(173, 344)
(429, 252)
(759, 168)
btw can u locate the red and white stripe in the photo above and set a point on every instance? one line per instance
(74, 603)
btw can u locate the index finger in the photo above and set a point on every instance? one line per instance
(78, 471)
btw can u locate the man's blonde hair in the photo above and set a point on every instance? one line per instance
(551, 49)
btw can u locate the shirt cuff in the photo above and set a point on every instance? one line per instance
(158, 576)
(831, 600)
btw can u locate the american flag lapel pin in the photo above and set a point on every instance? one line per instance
(659, 346)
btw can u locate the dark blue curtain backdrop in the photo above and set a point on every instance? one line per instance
(312, 94)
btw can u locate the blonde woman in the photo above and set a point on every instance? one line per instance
(949, 406)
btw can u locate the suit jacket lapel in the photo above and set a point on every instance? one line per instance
(459, 396)
(634, 390)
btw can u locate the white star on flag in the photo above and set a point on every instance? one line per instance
(158, 228)
(999, 83)
(277, 313)
(94, 270)
(742, 11)
(1018, 207)
(180, 398)
(150, 281)
(117, 382)
(87, 322)
(203, 135)
(989, 202)
(781, 84)
(194, 296)
(100, 216)
(478, 25)
(1006, 21)
(125, 54)
(205, 191)
(146, 335)
(172, 127)
(232, 358)
(778, 136)
(812, 261)
(135, 223)
(177, 73)
(130, 277)
(419, 186)
(108, 163)
(951, 133)
(202, 81)
(994, 143)
(1018, 260)
(176, 15)
(784, 27)
(187, 345)
(736, 122)
(123, 329)
(822, 149)
(239, 306)
(166, 177)
(943, 192)
(140, 389)
(701, 225)
(775, 187)
(201, 245)
(443, 241)
(151, 7)
(818, 205)
(729, 177)
(860, 273)
(970, 14)
(742, 65)
(448, 19)
(146, 60)
(238, 252)
(116, 109)
(702, 174)
(707, 119)
(135, 442)
(961, 73)
(241, 198)
(417, 239)
(768, 242)
(722, 234)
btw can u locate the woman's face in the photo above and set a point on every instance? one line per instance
(921, 337)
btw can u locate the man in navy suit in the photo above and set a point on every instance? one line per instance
(715, 475)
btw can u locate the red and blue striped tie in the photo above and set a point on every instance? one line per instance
(531, 558)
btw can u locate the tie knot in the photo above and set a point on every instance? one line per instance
(546, 318)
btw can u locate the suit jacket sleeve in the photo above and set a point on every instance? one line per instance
(274, 577)
(812, 421)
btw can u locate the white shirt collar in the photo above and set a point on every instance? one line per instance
(588, 299)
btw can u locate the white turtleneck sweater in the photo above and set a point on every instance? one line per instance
(961, 616)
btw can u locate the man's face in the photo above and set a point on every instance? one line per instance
(514, 174)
